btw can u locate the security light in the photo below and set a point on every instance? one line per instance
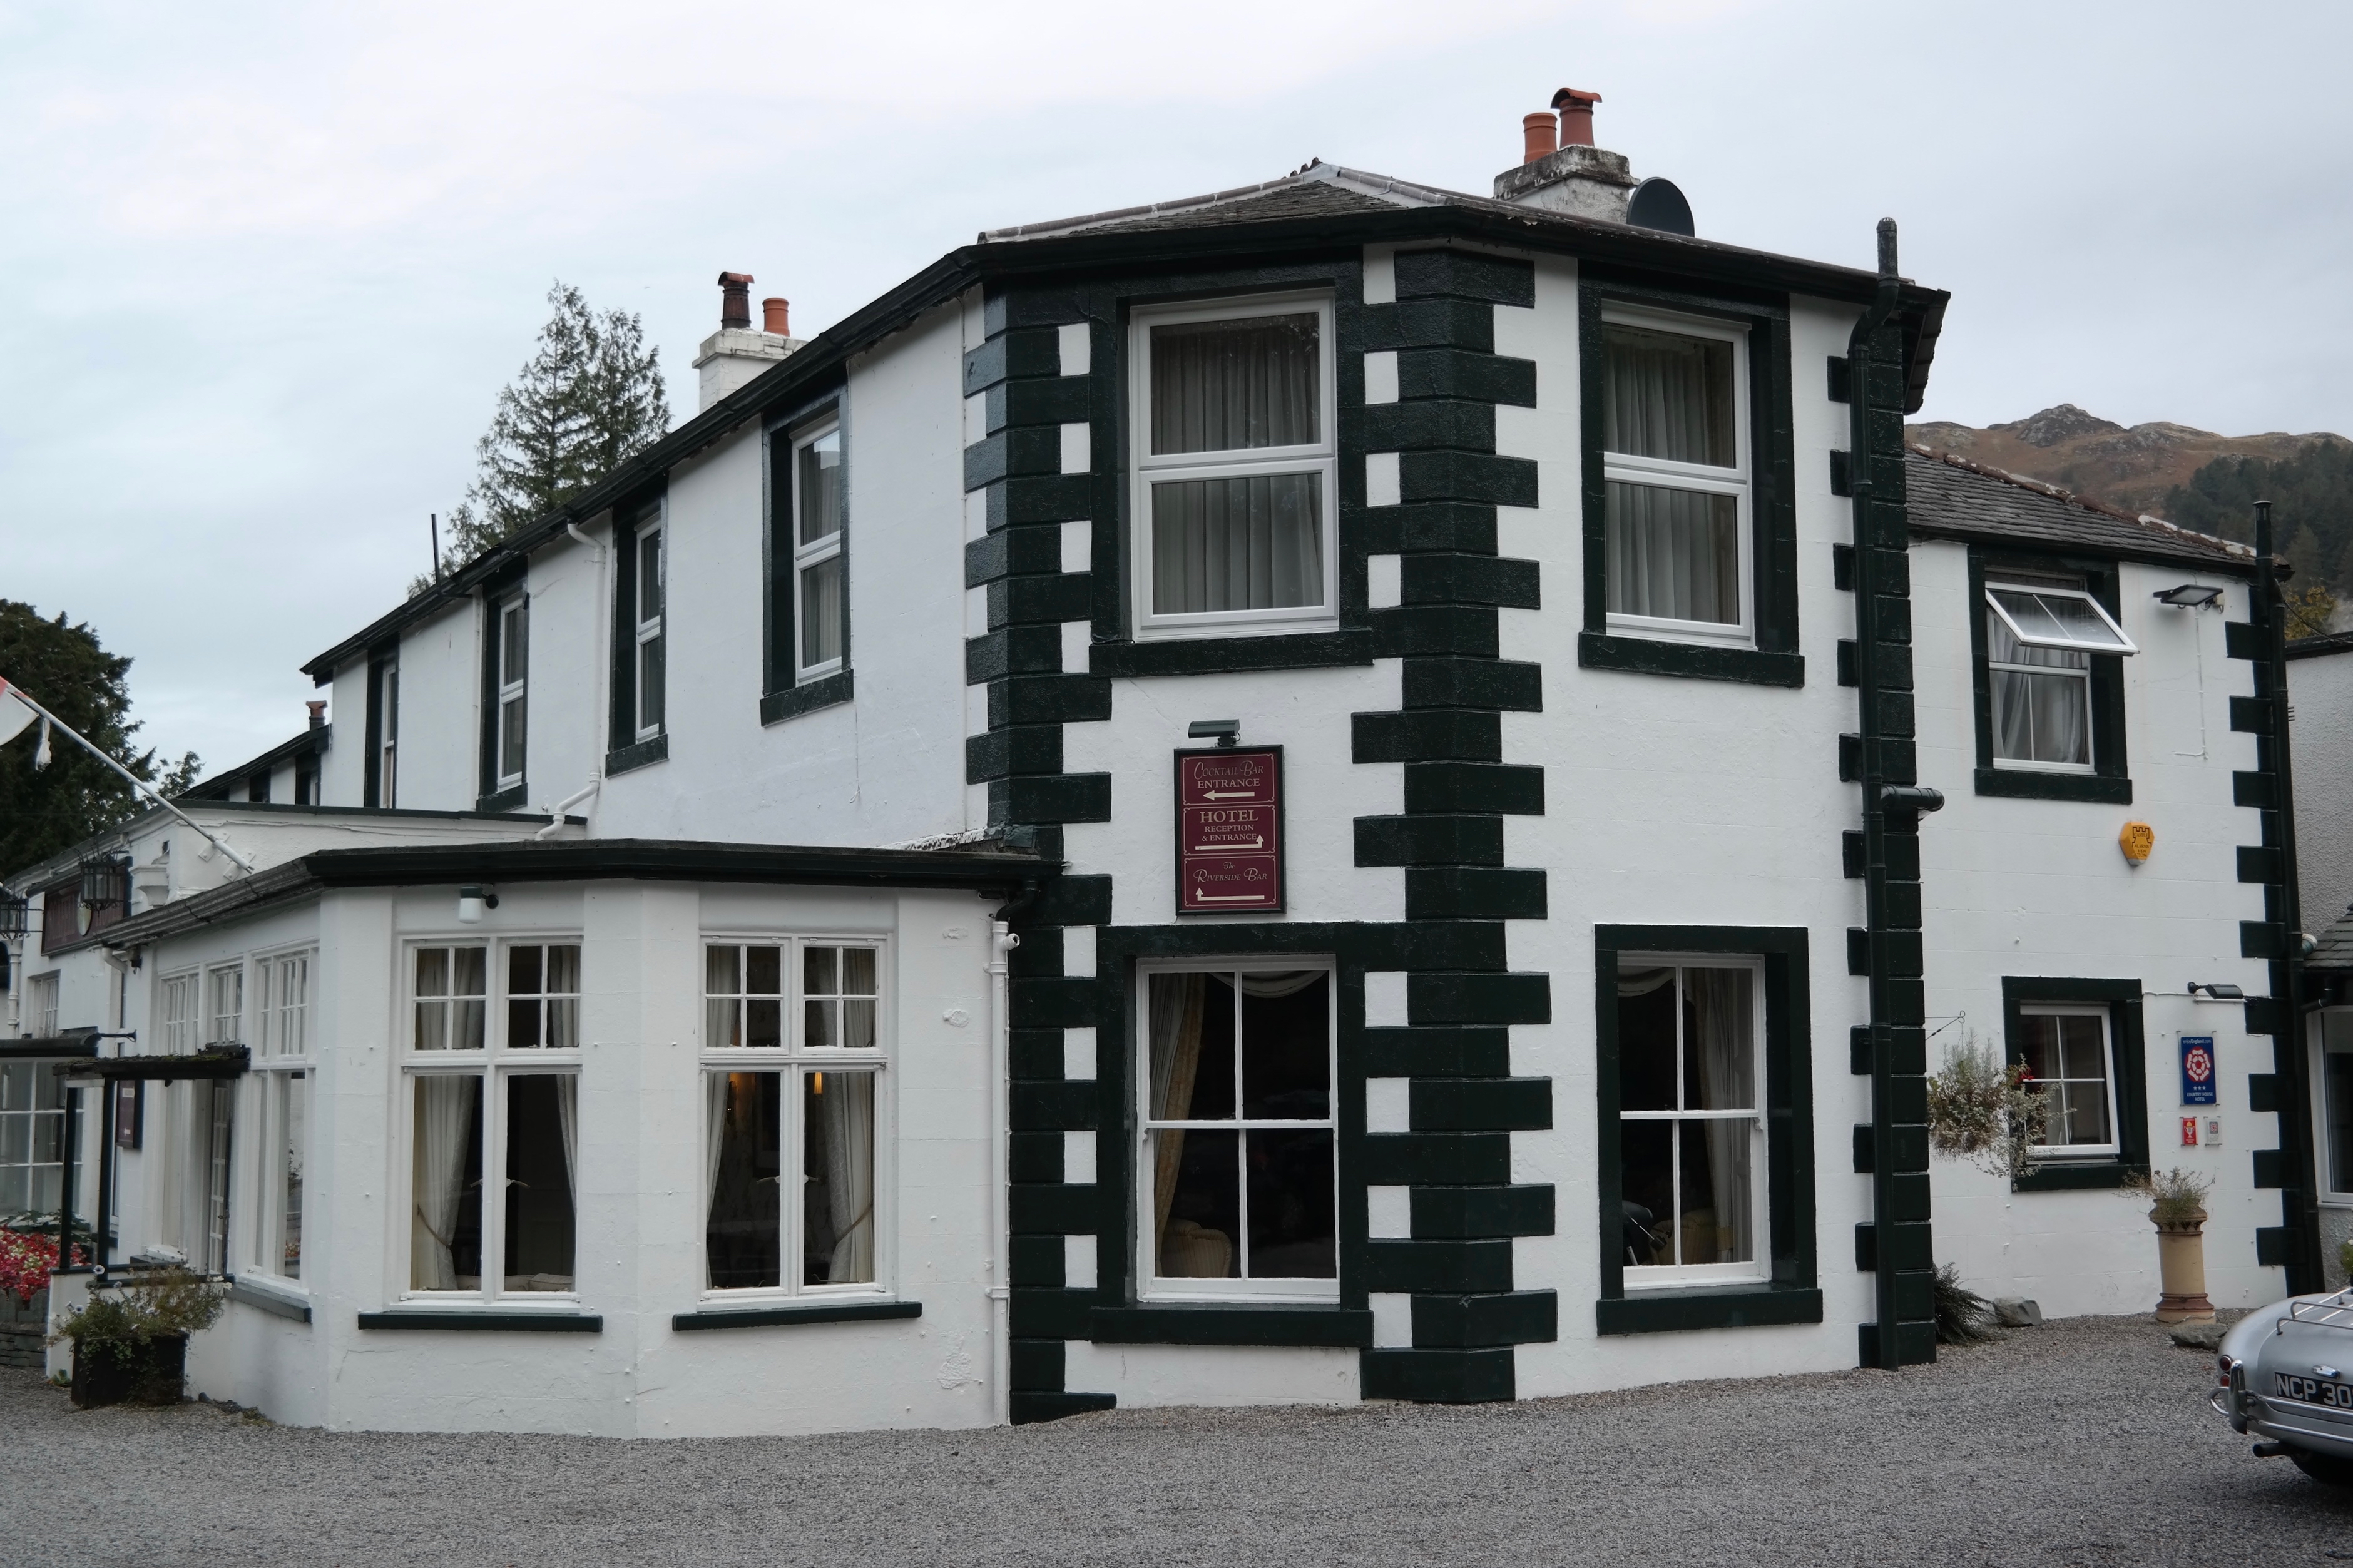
(471, 902)
(2217, 992)
(1225, 732)
(2189, 596)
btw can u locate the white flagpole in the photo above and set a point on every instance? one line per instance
(135, 782)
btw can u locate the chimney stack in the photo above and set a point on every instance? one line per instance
(736, 354)
(1561, 170)
(735, 300)
(318, 714)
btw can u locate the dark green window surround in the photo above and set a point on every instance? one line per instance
(485, 1323)
(1775, 660)
(2110, 781)
(491, 797)
(821, 1311)
(625, 751)
(1792, 1294)
(1225, 1323)
(780, 699)
(372, 764)
(2128, 1060)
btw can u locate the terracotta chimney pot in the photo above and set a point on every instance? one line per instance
(1541, 133)
(735, 300)
(772, 317)
(1575, 116)
(318, 713)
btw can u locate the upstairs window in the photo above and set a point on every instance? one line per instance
(1234, 469)
(387, 752)
(651, 671)
(819, 510)
(2041, 637)
(1675, 470)
(511, 667)
(41, 1007)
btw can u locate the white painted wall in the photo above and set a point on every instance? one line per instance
(2320, 745)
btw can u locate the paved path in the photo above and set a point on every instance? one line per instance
(2081, 1443)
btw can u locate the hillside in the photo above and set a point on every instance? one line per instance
(2133, 468)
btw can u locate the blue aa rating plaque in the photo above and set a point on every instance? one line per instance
(2197, 1069)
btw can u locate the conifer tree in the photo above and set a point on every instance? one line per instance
(590, 396)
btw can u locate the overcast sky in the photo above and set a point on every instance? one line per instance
(264, 267)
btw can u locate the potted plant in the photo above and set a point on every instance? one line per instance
(1990, 1114)
(130, 1341)
(2177, 1209)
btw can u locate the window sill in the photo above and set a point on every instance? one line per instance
(1649, 656)
(785, 1317)
(509, 799)
(263, 1298)
(2077, 1176)
(2021, 783)
(459, 1321)
(1677, 1311)
(1224, 656)
(825, 692)
(1231, 1323)
(621, 759)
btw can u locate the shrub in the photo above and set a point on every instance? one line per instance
(123, 1319)
(1963, 1317)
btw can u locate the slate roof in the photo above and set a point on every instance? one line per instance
(2335, 948)
(1952, 498)
(2321, 646)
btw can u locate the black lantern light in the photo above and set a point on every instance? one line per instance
(106, 882)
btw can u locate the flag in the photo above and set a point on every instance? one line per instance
(14, 713)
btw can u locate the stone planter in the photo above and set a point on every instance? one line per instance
(155, 1374)
(2181, 1272)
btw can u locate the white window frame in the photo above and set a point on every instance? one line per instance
(497, 1065)
(281, 1059)
(386, 761)
(1642, 1277)
(2121, 647)
(2112, 1148)
(32, 1115)
(2332, 1036)
(2083, 675)
(220, 977)
(811, 555)
(651, 628)
(179, 1005)
(1737, 481)
(1150, 1285)
(513, 689)
(794, 1061)
(1320, 457)
(41, 1005)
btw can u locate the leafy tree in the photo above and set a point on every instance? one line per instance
(2312, 516)
(589, 397)
(66, 670)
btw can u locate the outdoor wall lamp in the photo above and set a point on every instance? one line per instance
(2218, 993)
(1225, 732)
(471, 902)
(2189, 596)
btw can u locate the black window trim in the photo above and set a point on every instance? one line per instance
(2127, 1061)
(1792, 1294)
(1776, 659)
(2110, 780)
(624, 751)
(782, 695)
(384, 657)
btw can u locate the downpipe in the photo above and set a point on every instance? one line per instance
(1001, 941)
(557, 812)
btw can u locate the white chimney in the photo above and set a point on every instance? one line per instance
(736, 354)
(1561, 170)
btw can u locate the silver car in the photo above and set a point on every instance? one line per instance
(2286, 1377)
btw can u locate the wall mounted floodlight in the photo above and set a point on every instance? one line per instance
(471, 902)
(2191, 596)
(1225, 732)
(2217, 992)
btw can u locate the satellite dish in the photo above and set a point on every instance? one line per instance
(1657, 204)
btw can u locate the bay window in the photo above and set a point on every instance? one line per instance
(1675, 468)
(1236, 1157)
(1691, 1133)
(280, 1098)
(32, 1139)
(1234, 468)
(491, 1071)
(794, 1047)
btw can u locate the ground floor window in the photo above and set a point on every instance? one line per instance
(1691, 1133)
(2334, 1101)
(32, 1139)
(282, 1102)
(2065, 1047)
(789, 1167)
(2082, 1039)
(515, 1234)
(1237, 1173)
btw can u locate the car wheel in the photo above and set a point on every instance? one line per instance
(2325, 1468)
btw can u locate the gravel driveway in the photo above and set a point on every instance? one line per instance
(2083, 1442)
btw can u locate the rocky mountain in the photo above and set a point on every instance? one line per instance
(2133, 468)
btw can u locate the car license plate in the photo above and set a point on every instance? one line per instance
(2312, 1391)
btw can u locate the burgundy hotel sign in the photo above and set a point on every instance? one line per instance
(1229, 831)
